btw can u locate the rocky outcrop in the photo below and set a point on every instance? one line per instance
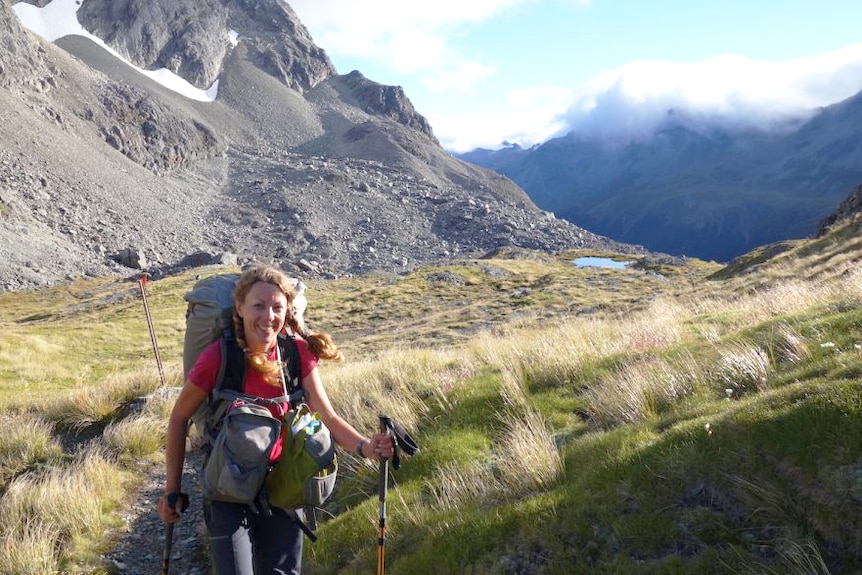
(147, 132)
(22, 59)
(851, 207)
(389, 101)
(188, 38)
(278, 42)
(192, 38)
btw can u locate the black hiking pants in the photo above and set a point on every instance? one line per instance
(243, 542)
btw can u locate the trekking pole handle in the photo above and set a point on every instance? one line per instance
(172, 499)
(385, 423)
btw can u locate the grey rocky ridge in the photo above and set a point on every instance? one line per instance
(293, 163)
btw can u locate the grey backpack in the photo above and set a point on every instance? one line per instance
(242, 453)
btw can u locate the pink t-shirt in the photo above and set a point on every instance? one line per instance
(205, 370)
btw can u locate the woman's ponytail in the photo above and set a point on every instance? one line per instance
(320, 344)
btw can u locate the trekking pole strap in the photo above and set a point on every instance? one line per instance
(302, 525)
(401, 439)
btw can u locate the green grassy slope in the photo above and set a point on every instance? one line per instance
(686, 419)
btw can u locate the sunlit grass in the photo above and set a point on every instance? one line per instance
(594, 431)
(25, 441)
(30, 549)
(89, 405)
(395, 383)
(137, 436)
(637, 392)
(742, 368)
(72, 502)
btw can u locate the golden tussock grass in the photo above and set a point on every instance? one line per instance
(741, 368)
(456, 485)
(71, 502)
(799, 558)
(554, 355)
(851, 285)
(87, 405)
(138, 435)
(30, 549)
(659, 326)
(26, 439)
(395, 383)
(636, 392)
(524, 458)
(528, 458)
(789, 346)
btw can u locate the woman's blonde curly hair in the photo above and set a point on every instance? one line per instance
(320, 344)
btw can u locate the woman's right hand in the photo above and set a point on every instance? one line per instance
(171, 505)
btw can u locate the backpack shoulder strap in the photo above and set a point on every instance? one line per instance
(292, 367)
(228, 385)
(232, 369)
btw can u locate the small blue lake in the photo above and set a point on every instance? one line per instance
(591, 262)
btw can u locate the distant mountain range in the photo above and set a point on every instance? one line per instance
(706, 192)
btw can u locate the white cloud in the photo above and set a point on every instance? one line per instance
(462, 133)
(405, 36)
(458, 79)
(633, 99)
(530, 116)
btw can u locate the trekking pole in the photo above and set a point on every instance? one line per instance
(401, 441)
(172, 500)
(142, 282)
(166, 554)
(382, 488)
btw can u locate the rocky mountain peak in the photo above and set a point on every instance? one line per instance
(388, 101)
(106, 170)
(192, 38)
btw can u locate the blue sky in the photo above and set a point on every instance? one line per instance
(487, 71)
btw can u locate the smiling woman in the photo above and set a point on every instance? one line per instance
(263, 313)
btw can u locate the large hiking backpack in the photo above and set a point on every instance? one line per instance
(243, 442)
(210, 313)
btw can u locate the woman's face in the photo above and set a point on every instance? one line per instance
(262, 311)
